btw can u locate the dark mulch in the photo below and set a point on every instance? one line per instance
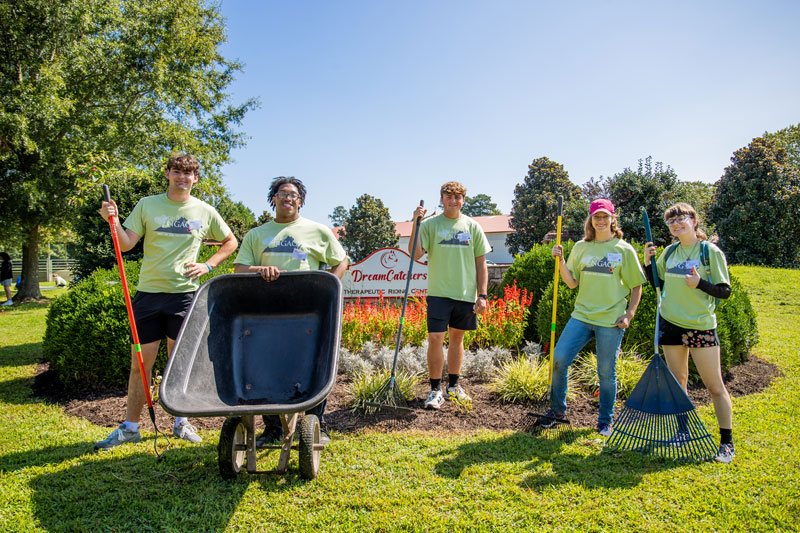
(107, 407)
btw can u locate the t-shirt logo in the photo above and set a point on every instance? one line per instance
(684, 267)
(180, 226)
(601, 265)
(459, 238)
(284, 246)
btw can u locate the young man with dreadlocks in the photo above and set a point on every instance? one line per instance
(289, 243)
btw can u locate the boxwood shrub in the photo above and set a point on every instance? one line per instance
(87, 337)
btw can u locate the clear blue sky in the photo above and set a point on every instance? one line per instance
(393, 98)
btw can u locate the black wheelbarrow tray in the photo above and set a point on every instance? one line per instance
(248, 347)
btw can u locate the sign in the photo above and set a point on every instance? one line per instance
(385, 270)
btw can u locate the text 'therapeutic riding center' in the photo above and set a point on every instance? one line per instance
(386, 271)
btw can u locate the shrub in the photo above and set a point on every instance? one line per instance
(369, 386)
(630, 368)
(524, 379)
(87, 338)
(736, 326)
(533, 271)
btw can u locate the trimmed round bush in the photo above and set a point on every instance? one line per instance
(533, 270)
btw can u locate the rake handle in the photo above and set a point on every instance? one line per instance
(555, 293)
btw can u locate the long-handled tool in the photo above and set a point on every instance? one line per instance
(134, 333)
(658, 418)
(548, 417)
(390, 395)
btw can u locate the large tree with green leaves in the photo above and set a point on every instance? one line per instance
(94, 89)
(367, 227)
(534, 209)
(479, 205)
(651, 186)
(756, 206)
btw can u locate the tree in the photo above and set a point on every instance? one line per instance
(756, 206)
(789, 140)
(93, 88)
(367, 228)
(338, 216)
(265, 217)
(479, 205)
(651, 186)
(535, 206)
(237, 215)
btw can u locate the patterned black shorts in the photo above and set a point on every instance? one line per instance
(670, 334)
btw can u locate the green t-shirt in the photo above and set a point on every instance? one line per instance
(173, 233)
(606, 272)
(452, 246)
(297, 245)
(682, 305)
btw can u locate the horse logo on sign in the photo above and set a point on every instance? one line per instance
(389, 259)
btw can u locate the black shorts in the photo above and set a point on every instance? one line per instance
(670, 334)
(160, 314)
(443, 312)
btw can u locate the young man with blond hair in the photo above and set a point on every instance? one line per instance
(173, 225)
(457, 279)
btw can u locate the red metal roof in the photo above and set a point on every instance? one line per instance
(490, 224)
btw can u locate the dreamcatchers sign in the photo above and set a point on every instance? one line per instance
(386, 271)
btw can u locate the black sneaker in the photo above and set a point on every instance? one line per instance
(270, 436)
(324, 436)
(550, 419)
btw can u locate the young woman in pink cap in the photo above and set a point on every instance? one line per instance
(694, 274)
(606, 271)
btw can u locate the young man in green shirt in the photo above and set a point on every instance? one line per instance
(289, 243)
(457, 278)
(173, 225)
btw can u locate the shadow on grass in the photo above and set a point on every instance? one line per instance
(20, 355)
(108, 492)
(548, 462)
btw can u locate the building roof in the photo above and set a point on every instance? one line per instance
(490, 224)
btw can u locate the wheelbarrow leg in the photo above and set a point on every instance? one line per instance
(289, 423)
(249, 422)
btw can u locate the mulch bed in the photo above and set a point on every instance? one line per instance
(107, 407)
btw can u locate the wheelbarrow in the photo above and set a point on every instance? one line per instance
(249, 348)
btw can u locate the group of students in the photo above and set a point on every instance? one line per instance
(603, 267)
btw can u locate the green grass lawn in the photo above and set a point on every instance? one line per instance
(51, 480)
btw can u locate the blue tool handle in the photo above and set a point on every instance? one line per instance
(649, 238)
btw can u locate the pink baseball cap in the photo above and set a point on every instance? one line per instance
(601, 205)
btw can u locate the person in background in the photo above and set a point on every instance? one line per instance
(6, 277)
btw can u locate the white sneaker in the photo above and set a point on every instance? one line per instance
(457, 393)
(435, 400)
(186, 431)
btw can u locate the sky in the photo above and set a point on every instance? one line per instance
(393, 98)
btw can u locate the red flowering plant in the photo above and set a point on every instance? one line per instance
(377, 320)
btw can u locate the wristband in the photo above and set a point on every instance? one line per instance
(209, 267)
(484, 296)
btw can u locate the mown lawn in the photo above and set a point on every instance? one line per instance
(51, 480)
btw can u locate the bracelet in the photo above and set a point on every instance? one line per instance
(484, 296)
(209, 267)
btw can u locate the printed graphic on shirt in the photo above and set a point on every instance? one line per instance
(602, 265)
(285, 246)
(458, 238)
(683, 268)
(180, 226)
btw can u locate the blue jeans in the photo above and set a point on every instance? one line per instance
(574, 337)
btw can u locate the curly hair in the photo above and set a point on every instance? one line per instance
(182, 161)
(682, 208)
(453, 187)
(282, 180)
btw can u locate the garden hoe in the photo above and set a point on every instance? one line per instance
(658, 418)
(546, 420)
(390, 396)
(134, 333)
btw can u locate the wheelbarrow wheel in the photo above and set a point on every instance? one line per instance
(309, 456)
(232, 447)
